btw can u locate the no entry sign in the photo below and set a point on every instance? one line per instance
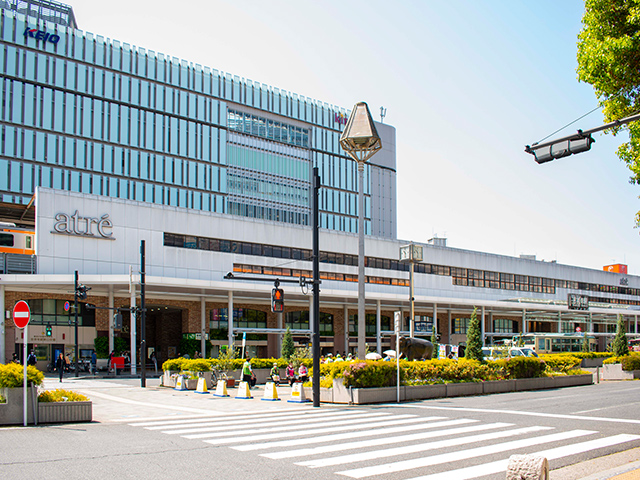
(21, 314)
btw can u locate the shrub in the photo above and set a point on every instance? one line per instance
(173, 364)
(370, 374)
(60, 395)
(195, 365)
(288, 347)
(524, 367)
(12, 376)
(561, 363)
(2, 399)
(620, 346)
(631, 362)
(474, 338)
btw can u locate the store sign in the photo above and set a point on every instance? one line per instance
(42, 35)
(341, 118)
(577, 302)
(624, 281)
(84, 226)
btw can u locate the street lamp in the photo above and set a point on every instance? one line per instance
(361, 141)
(411, 253)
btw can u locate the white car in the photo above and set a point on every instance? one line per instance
(496, 353)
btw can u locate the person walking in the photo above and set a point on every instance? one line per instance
(94, 363)
(154, 360)
(275, 374)
(60, 365)
(247, 372)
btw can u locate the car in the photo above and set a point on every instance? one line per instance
(496, 353)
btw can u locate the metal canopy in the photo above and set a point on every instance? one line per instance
(360, 138)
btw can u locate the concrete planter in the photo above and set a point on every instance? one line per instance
(613, 371)
(65, 412)
(359, 396)
(591, 362)
(12, 412)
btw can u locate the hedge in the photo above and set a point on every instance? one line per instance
(12, 375)
(561, 362)
(60, 395)
(207, 364)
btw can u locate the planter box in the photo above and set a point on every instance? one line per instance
(613, 371)
(499, 386)
(12, 412)
(65, 412)
(464, 389)
(591, 362)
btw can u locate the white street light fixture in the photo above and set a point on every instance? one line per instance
(361, 141)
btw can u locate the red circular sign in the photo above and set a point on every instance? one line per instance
(21, 314)
(578, 329)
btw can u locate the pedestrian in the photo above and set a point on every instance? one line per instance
(291, 374)
(32, 359)
(302, 373)
(196, 355)
(154, 360)
(275, 374)
(247, 372)
(94, 363)
(60, 365)
(111, 355)
(14, 358)
(67, 363)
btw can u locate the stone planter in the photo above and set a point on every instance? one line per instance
(167, 380)
(65, 412)
(613, 371)
(12, 412)
(591, 362)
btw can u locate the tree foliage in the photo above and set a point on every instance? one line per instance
(474, 338)
(620, 345)
(609, 60)
(288, 348)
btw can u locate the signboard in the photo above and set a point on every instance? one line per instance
(577, 302)
(21, 314)
(397, 317)
(411, 253)
(615, 268)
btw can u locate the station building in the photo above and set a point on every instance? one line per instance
(105, 145)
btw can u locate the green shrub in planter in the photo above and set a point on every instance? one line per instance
(196, 365)
(12, 375)
(525, 367)
(561, 363)
(60, 395)
(173, 364)
(612, 359)
(631, 362)
(2, 399)
(371, 374)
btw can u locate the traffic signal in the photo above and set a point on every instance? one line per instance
(563, 148)
(81, 292)
(117, 321)
(48, 330)
(277, 300)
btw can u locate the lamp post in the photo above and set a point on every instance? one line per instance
(411, 253)
(361, 141)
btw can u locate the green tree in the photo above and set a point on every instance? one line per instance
(288, 349)
(620, 344)
(609, 60)
(474, 338)
(585, 343)
(434, 340)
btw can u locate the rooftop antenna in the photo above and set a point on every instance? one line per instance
(383, 113)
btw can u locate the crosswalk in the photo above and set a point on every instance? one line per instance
(358, 443)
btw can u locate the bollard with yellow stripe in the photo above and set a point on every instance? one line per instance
(270, 392)
(221, 389)
(243, 391)
(180, 384)
(202, 386)
(297, 394)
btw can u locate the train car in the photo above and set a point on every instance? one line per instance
(556, 342)
(16, 240)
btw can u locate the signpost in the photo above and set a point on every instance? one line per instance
(21, 317)
(397, 318)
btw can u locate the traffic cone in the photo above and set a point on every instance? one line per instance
(180, 385)
(243, 391)
(202, 386)
(297, 394)
(221, 389)
(270, 392)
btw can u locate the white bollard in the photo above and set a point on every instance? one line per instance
(527, 467)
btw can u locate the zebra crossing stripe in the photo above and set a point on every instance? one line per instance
(421, 424)
(302, 432)
(461, 455)
(223, 424)
(141, 422)
(224, 417)
(422, 447)
(304, 452)
(280, 425)
(551, 454)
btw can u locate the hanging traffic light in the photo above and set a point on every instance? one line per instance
(81, 292)
(48, 330)
(117, 321)
(548, 152)
(277, 300)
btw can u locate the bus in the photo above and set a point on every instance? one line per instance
(555, 342)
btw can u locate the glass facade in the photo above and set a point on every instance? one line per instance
(93, 115)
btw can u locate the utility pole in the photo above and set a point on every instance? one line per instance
(315, 329)
(143, 314)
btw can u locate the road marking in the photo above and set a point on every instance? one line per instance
(303, 431)
(461, 455)
(421, 447)
(249, 418)
(419, 424)
(265, 427)
(305, 452)
(551, 454)
(528, 414)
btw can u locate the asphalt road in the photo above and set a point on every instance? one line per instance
(162, 433)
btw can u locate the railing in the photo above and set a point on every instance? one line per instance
(15, 263)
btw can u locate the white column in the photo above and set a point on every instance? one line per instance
(524, 321)
(203, 327)
(3, 332)
(111, 329)
(134, 321)
(435, 319)
(230, 317)
(378, 327)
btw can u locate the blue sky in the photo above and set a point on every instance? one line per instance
(467, 84)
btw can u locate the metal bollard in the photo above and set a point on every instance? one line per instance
(527, 467)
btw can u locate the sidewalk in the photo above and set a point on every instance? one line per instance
(619, 466)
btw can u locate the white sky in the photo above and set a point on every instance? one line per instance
(467, 84)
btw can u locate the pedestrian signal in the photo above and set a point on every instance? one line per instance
(277, 300)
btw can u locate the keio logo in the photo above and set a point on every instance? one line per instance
(42, 35)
